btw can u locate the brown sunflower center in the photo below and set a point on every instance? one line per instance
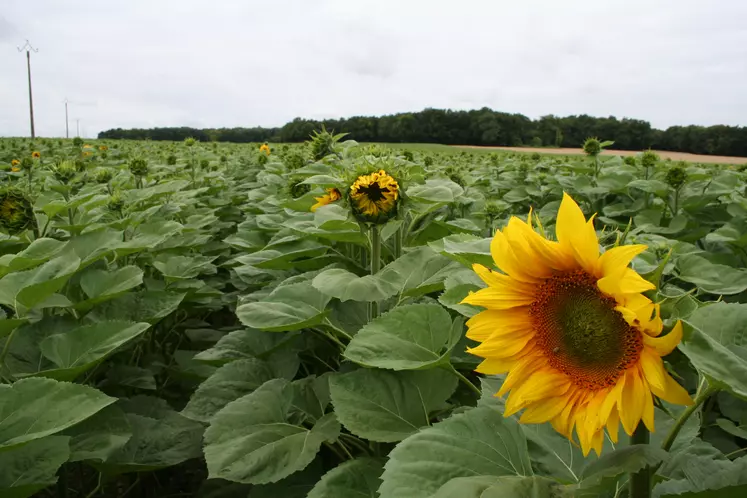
(373, 191)
(580, 331)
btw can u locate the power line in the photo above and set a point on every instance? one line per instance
(28, 48)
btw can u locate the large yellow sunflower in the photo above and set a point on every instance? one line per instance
(331, 196)
(374, 197)
(581, 345)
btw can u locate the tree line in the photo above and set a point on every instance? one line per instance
(476, 127)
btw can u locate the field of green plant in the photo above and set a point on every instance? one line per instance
(221, 320)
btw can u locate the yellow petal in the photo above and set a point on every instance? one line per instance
(549, 252)
(495, 366)
(612, 399)
(653, 369)
(613, 425)
(544, 410)
(490, 322)
(597, 442)
(540, 385)
(633, 401)
(564, 422)
(674, 393)
(663, 345)
(502, 346)
(504, 283)
(576, 235)
(618, 257)
(520, 372)
(508, 261)
(516, 232)
(648, 410)
(623, 281)
(497, 299)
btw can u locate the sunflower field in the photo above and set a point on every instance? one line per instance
(339, 320)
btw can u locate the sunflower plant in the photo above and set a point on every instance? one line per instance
(368, 321)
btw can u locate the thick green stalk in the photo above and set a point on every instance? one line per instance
(398, 243)
(640, 482)
(375, 262)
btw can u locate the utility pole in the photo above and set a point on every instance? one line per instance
(77, 127)
(67, 122)
(28, 48)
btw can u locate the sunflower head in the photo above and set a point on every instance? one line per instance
(116, 203)
(171, 160)
(15, 162)
(649, 158)
(190, 141)
(88, 146)
(676, 177)
(27, 163)
(103, 148)
(332, 195)
(77, 142)
(16, 211)
(629, 160)
(103, 175)
(592, 146)
(296, 188)
(324, 143)
(139, 166)
(374, 197)
(581, 344)
(264, 148)
(15, 169)
(36, 154)
(65, 171)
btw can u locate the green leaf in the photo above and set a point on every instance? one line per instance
(145, 306)
(32, 467)
(287, 308)
(310, 398)
(388, 406)
(98, 284)
(601, 474)
(249, 343)
(126, 375)
(437, 190)
(466, 249)
(710, 277)
(359, 477)
(99, 436)
(148, 236)
(38, 252)
(552, 454)
(412, 337)
(714, 342)
(80, 349)
(33, 408)
(92, 246)
(501, 487)
(231, 382)
(183, 267)
(23, 290)
(709, 479)
(251, 441)
(478, 442)
(347, 286)
(297, 485)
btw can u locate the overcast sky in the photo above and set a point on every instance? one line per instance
(145, 63)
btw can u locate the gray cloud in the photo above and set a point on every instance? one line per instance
(230, 63)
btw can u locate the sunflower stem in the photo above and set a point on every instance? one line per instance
(375, 262)
(640, 482)
(464, 380)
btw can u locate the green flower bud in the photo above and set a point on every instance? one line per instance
(16, 211)
(592, 146)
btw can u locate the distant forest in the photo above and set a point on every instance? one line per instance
(477, 127)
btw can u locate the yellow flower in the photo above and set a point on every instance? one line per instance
(103, 147)
(265, 148)
(15, 169)
(331, 196)
(87, 146)
(35, 154)
(581, 344)
(15, 162)
(374, 197)
(86, 154)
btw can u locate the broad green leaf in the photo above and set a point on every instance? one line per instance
(478, 442)
(38, 252)
(99, 436)
(127, 375)
(282, 256)
(714, 343)
(601, 474)
(552, 454)
(287, 308)
(411, 337)
(144, 306)
(710, 277)
(346, 286)
(296, 485)
(78, 350)
(32, 467)
(709, 479)
(437, 190)
(310, 398)
(98, 284)
(148, 236)
(23, 290)
(466, 249)
(183, 267)
(251, 441)
(92, 246)
(8, 325)
(230, 382)
(248, 343)
(33, 408)
(354, 478)
(386, 406)
(502, 487)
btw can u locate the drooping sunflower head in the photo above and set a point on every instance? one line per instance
(374, 197)
(332, 195)
(582, 346)
(16, 211)
(36, 154)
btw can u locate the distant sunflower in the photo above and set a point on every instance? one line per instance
(15, 169)
(36, 154)
(374, 197)
(581, 344)
(103, 148)
(15, 162)
(265, 148)
(87, 146)
(16, 211)
(331, 196)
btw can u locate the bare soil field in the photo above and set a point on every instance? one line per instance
(675, 156)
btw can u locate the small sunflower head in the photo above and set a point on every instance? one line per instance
(15, 169)
(171, 160)
(88, 146)
(65, 171)
(15, 162)
(408, 156)
(223, 159)
(103, 148)
(649, 158)
(204, 163)
(296, 188)
(374, 197)
(262, 159)
(190, 141)
(77, 142)
(27, 163)
(294, 161)
(116, 203)
(265, 149)
(676, 177)
(536, 156)
(629, 160)
(36, 154)
(332, 195)
(16, 211)
(103, 175)
(592, 146)
(428, 161)
(139, 167)
(493, 209)
(324, 143)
